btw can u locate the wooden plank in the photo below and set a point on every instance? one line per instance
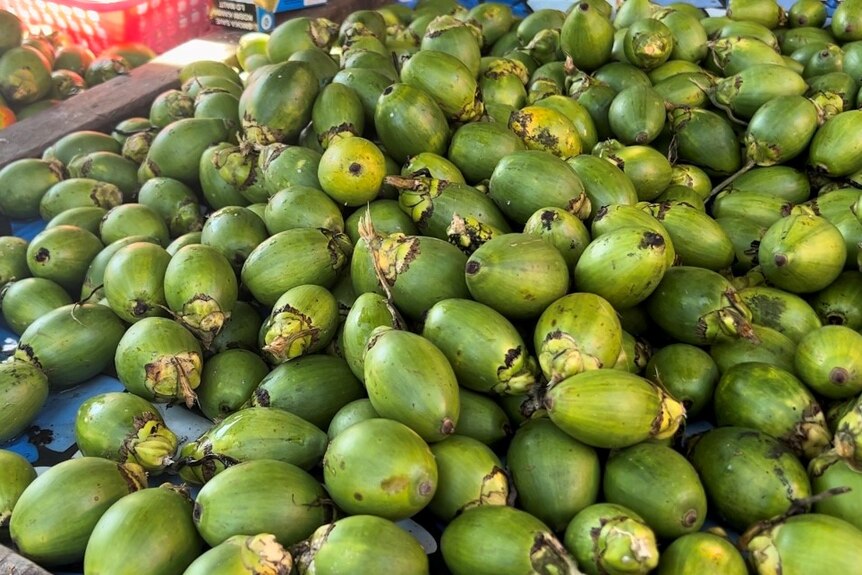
(13, 564)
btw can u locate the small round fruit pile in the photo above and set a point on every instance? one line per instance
(37, 72)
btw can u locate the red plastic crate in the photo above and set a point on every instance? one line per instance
(160, 24)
